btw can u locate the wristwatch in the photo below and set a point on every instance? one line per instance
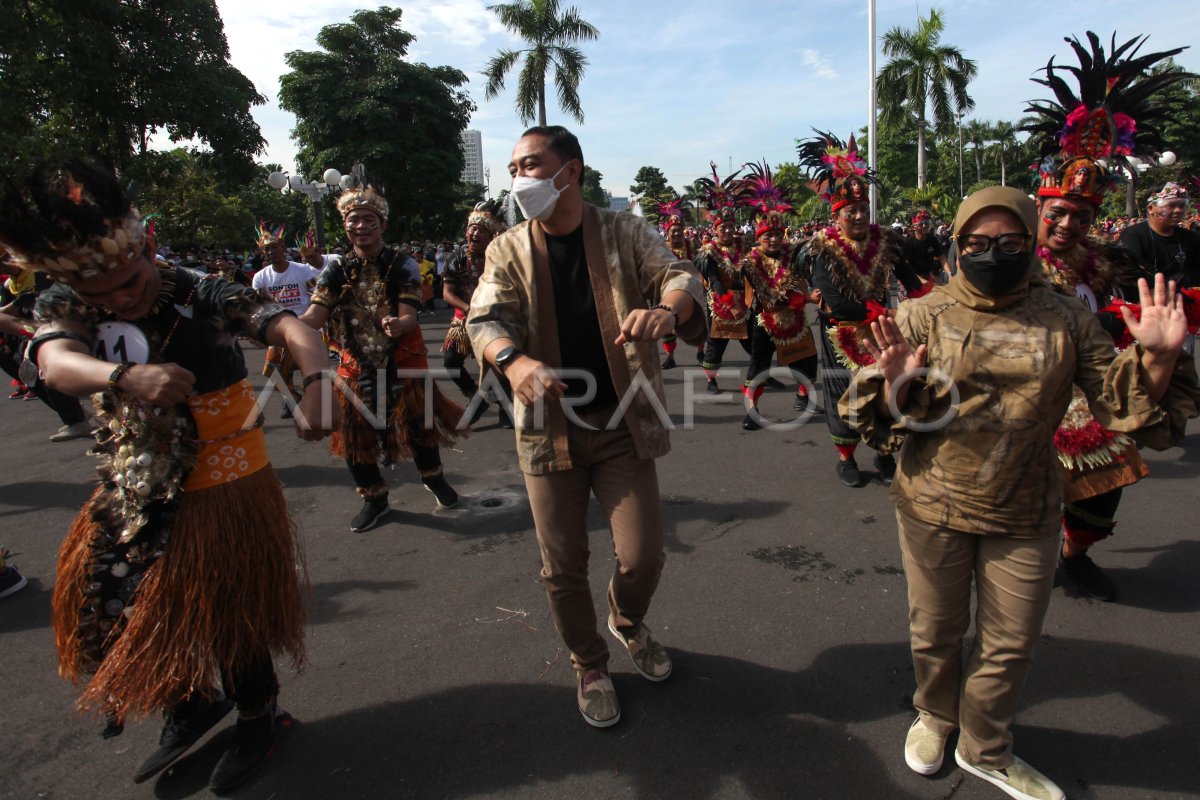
(506, 357)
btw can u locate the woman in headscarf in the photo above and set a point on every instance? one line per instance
(973, 379)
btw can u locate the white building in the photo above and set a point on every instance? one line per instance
(472, 145)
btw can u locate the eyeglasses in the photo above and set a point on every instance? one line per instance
(975, 244)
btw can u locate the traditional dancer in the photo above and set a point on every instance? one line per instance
(674, 228)
(719, 263)
(372, 297)
(458, 284)
(1077, 135)
(780, 292)
(852, 263)
(183, 565)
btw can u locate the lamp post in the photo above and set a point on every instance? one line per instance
(331, 181)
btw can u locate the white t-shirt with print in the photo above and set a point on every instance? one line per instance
(289, 288)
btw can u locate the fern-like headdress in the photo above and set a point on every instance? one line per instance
(1117, 112)
(840, 173)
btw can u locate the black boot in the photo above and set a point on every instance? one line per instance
(374, 508)
(750, 424)
(1088, 577)
(252, 741)
(183, 727)
(669, 363)
(886, 466)
(712, 387)
(442, 491)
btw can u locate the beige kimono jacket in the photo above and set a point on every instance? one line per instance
(992, 468)
(630, 267)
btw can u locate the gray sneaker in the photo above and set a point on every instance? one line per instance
(80, 430)
(650, 658)
(924, 748)
(597, 699)
(1017, 780)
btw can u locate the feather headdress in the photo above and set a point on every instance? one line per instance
(840, 173)
(723, 197)
(265, 237)
(72, 222)
(1117, 112)
(308, 245)
(760, 192)
(361, 194)
(671, 214)
(488, 214)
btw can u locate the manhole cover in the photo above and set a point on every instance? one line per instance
(491, 502)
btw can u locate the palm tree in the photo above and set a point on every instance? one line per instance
(923, 74)
(551, 39)
(1004, 136)
(977, 132)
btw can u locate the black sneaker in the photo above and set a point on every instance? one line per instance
(848, 474)
(286, 413)
(373, 509)
(886, 465)
(712, 387)
(445, 494)
(801, 403)
(505, 419)
(669, 363)
(252, 741)
(771, 383)
(183, 728)
(1088, 577)
(480, 410)
(750, 424)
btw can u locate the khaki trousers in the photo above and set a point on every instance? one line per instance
(606, 464)
(1013, 578)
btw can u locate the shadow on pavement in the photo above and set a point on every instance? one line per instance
(1167, 584)
(327, 607)
(37, 495)
(29, 608)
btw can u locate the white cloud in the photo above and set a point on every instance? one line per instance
(821, 66)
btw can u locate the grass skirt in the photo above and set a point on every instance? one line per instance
(227, 588)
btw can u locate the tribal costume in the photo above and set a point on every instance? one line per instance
(853, 277)
(720, 268)
(1115, 115)
(183, 567)
(358, 292)
(779, 293)
(483, 224)
(684, 248)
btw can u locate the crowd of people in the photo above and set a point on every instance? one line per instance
(1004, 378)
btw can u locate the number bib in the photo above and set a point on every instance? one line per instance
(120, 342)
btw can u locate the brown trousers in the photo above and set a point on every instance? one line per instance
(626, 487)
(1013, 578)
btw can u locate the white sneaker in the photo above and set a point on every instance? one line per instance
(1017, 780)
(924, 748)
(79, 430)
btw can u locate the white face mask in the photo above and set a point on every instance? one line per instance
(536, 197)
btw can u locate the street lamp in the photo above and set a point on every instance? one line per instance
(331, 181)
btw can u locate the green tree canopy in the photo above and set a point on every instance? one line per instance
(923, 76)
(102, 77)
(651, 183)
(593, 192)
(551, 39)
(359, 101)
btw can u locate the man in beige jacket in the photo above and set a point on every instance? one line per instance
(569, 309)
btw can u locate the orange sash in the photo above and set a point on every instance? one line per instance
(228, 451)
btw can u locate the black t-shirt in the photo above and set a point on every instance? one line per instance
(924, 255)
(580, 342)
(1177, 256)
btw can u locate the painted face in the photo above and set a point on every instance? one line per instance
(854, 220)
(726, 234)
(1063, 223)
(478, 238)
(129, 292)
(771, 241)
(1170, 212)
(675, 235)
(364, 229)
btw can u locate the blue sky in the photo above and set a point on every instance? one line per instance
(677, 85)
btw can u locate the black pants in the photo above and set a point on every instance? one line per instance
(427, 459)
(453, 361)
(762, 347)
(714, 351)
(835, 380)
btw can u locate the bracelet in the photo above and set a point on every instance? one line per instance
(311, 379)
(116, 375)
(667, 308)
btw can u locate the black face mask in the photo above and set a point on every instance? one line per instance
(995, 273)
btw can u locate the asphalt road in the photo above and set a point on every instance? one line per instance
(435, 672)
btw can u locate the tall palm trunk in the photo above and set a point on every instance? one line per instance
(542, 105)
(1003, 173)
(978, 166)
